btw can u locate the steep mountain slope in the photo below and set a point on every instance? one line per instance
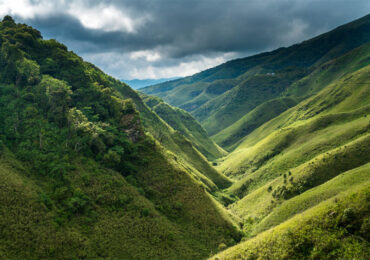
(183, 122)
(80, 178)
(320, 77)
(220, 96)
(234, 134)
(184, 151)
(288, 170)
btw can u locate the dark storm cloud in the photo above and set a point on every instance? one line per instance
(179, 30)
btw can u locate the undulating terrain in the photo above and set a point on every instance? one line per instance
(265, 157)
(296, 125)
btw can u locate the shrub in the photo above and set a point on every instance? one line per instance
(348, 216)
(145, 212)
(222, 246)
(112, 158)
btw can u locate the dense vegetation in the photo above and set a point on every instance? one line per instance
(80, 175)
(90, 168)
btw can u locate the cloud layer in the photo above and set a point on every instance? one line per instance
(167, 38)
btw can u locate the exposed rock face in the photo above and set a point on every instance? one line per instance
(132, 127)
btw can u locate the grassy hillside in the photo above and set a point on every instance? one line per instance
(183, 122)
(335, 228)
(344, 99)
(221, 96)
(288, 170)
(81, 177)
(231, 136)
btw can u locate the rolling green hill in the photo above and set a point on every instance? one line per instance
(335, 228)
(288, 170)
(231, 136)
(296, 124)
(81, 175)
(221, 96)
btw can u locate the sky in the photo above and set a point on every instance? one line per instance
(143, 39)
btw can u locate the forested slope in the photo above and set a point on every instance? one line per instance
(80, 175)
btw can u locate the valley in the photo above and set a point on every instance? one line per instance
(263, 157)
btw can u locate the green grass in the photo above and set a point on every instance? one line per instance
(335, 228)
(231, 136)
(183, 122)
(344, 100)
(256, 202)
(348, 180)
(229, 107)
(314, 151)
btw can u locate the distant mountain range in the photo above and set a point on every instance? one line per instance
(142, 83)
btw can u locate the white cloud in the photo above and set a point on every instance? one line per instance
(25, 8)
(147, 55)
(137, 66)
(103, 17)
(100, 16)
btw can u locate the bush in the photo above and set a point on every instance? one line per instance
(348, 216)
(222, 246)
(79, 203)
(112, 158)
(145, 212)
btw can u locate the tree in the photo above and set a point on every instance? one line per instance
(59, 98)
(28, 72)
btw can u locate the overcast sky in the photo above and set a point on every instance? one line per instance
(168, 38)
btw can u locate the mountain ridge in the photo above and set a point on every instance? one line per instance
(275, 70)
(82, 177)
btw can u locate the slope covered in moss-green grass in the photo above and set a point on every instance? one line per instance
(183, 122)
(342, 101)
(312, 152)
(231, 136)
(336, 228)
(80, 175)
